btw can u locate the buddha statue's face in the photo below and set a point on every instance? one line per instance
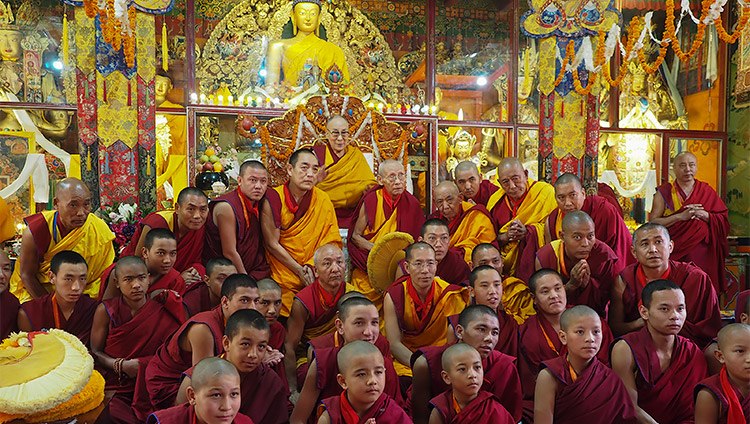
(306, 16)
(163, 86)
(10, 44)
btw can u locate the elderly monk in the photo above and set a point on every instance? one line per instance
(187, 222)
(233, 224)
(296, 220)
(124, 337)
(416, 309)
(660, 368)
(473, 188)
(516, 297)
(610, 227)
(344, 172)
(469, 224)
(588, 266)
(69, 308)
(519, 208)
(652, 248)
(71, 226)
(9, 304)
(314, 307)
(384, 209)
(538, 335)
(196, 339)
(697, 219)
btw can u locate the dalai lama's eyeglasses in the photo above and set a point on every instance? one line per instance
(337, 134)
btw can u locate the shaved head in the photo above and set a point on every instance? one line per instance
(509, 163)
(568, 178)
(512, 178)
(473, 312)
(352, 302)
(71, 185)
(578, 311)
(327, 250)
(211, 368)
(685, 166)
(467, 166)
(128, 261)
(575, 218)
(352, 350)
(447, 200)
(268, 284)
(731, 332)
(684, 156)
(72, 202)
(416, 247)
(650, 226)
(388, 165)
(446, 188)
(450, 354)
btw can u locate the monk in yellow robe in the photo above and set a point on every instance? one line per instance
(384, 209)
(416, 309)
(305, 50)
(469, 224)
(344, 172)
(7, 230)
(297, 219)
(314, 309)
(519, 209)
(71, 226)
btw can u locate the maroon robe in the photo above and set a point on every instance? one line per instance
(8, 314)
(276, 341)
(739, 305)
(385, 411)
(41, 315)
(165, 369)
(609, 226)
(507, 340)
(534, 348)
(317, 313)
(189, 245)
(170, 281)
(667, 396)
(409, 220)
(604, 267)
(136, 337)
(456, 223)
(605, 191)
(500, 377)
(185, 414)
(197, 298)
(333, 339)
(486, 189)
(703, 315)
(248, 232)
(713, 384)
(596, 396)
(452, 269)
(485, 408)
(328, 368)
(704, 243)
(264, 395)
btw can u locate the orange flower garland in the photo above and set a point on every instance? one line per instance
(112, 30)
(670, 29)
(737, 31)
(569, 56)
(633, 31)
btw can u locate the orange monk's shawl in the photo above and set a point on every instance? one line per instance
(471, 227)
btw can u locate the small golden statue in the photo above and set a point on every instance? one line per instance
(461, 146)
(300, 54)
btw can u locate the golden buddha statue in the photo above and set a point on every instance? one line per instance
(177, 123)
(294, 57)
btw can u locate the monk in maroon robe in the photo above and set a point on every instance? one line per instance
(187, 222)
(588, 266)
(196, 339)
(385, 410)
(233, 226)
(451, 266)
(697, 219)
(664, 395)
(8, 303)
(652, 249)
(219, 377)
(206, 295)
(578, 387)
(466, 401)
(605, 191)
(500, 374)
(473, 188)
(269, 305)
(263, 392)
(124, 338)
(538, 335)
(610, 227)
(67, 308)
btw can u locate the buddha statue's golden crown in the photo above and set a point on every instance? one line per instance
(296, 2)
(27, 16)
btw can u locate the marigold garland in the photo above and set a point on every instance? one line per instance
(112, 28)
(670, 29)
(737, 31)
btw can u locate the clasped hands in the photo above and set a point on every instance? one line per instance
(694, 211)
(516, 231)
(580, 275)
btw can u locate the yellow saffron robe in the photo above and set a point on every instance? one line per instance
(517, 300)
(317, 227)
(537, 204)
(348, 178)
(320, 51)
(93, 241)
(475, 228)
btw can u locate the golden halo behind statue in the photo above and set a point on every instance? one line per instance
(382, 262)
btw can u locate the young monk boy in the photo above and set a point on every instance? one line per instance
(741, 315)
(269, 305)
(8, 302)
(725, 398)
(578, 387)
(478, 327)
(335, 338)
(245, 344)
(362, 377)
(213, 397)
(658, 367)
(466, 402)
(67, 308)
(358, 319)
(206, 295)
